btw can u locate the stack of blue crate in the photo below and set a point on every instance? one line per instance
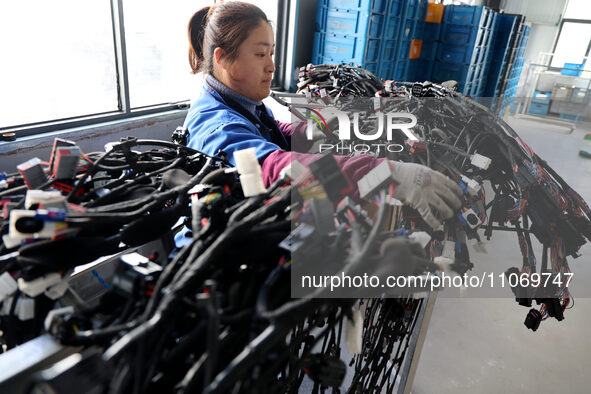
(405, 21)
(505, 28)
(349, 31)
(516, 68)
(464, 47)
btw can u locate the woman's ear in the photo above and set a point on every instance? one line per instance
(220, 58)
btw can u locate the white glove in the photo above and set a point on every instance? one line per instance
(426, 190)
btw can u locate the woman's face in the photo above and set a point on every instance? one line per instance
(252, 71)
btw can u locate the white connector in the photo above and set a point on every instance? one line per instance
(354, 332)
(480, 161)
(472, 218)
(49, 229)
(449, 250)
(251, 175)
(53, 199)
(294, 170)
(56, 312)
(7, 285)
(420, 237)
(25, 309)
(56, 291)
(373, 180)
(473, 186)
(38, 286)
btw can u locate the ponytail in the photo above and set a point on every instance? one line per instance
(196, 30)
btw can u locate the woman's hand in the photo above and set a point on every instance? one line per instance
(431, 193)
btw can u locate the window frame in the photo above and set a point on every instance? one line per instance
(123, 99)
(562, 22)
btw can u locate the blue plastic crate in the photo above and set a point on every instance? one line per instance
(541, 97)
(423, 70)
(403, 49)
(395, 8)
(401, 70)
(392, 27)
(459, 54)
(575, 69)
(320, 22)
(431, 31)
(538, 109)
(361, 5)
(466, 15)
(386, 70)
(351, 22)
(449, 71)
(411, 9)
(429, 50)
(389, 48)
(408, 29)
(463, 35)
(349, 49)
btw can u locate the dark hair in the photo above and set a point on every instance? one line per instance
(224, 25)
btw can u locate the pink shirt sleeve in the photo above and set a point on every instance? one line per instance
(354, 167)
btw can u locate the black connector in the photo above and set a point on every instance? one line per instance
(325, 370)
(533, 319)
(327, 172)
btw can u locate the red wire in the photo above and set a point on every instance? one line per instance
(320, 116)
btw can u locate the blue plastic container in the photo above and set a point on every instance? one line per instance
(423, 70)
(538, 109)
(463, 35)
(541, 97)
(429, 50)
(395, 8)
(458, 72)
(392, 27)
(351, 22)
(430, 31)
(467, 15)
(389, 48)
(460, 54)
(349, 49)
(574, 69)
(378, 6)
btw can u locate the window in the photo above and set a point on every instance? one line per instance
(58, 60)
(574, 39)
(68, 63)
(157, 47)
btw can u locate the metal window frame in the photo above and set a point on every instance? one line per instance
(562, 22)
(124, 110)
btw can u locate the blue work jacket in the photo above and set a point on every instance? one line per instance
(214, 126)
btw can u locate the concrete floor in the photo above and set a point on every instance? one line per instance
(481, 345)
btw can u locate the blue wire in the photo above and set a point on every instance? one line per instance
(100, 279)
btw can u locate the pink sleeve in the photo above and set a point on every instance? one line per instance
(354, 168)
(295, 133)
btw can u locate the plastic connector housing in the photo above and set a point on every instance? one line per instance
(354, 332)
(251, 178)
(375, 179)
(51, 199)
(533, 319)
(480, 161)
(294, 170)
(421, 237)
(472, 186)
(38, 286)
(7, 285)
(25, 309)
(472, 219)
(32, 173)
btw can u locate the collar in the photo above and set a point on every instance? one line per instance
(249, 104)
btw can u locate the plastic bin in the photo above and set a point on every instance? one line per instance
(351, 22)
(378, 6)
(463, 35)
(458, 72)
(467, 15)
(541, 97)
(348, 49)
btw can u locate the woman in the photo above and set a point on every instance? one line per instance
(233, 44)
